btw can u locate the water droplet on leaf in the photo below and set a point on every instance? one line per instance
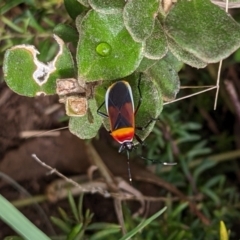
(103, 49)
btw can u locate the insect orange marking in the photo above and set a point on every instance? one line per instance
(123, 134)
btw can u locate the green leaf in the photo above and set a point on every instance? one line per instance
(179, 209)
(204, 166)
(80, 207)
(107, 6)
(13, 238)
(167, 79)
(86, 127)
(211, 194)
(101, 53)
(9, 5)
(237, 56)
(223, 231)
(173, 61)
(191, 126)
(145, 64)
(64, 215)
(103, 234)
(185, 56)
(12, 25)
(99, 225)
(26, 75)
(84, 3)
(18, 62)
(203, 29)
(188, 138)
(75, 231)
(199, 149)
(66, 32)
(143, 224)
(151, 105)
(88, 216)
(215, 180)
(73, 206)
(65, 227)
(74, 8)
(18, 222)
(33, 22)
(156, 45)
(139, 17)
(47, 50)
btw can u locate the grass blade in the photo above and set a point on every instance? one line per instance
(17, 221)
(143, 224)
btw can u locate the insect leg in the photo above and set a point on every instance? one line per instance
(101, 113)
(142, 129)
(149, 122)
(140, 94)
(138, 139)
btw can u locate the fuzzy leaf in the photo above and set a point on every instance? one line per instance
(104, 47)
(139, 17)
(26, 75)
(145, 64)
(107, 6)
(86, 127)
(167, 79)
(185, 56)
(203, 29)
(156, 45)
(173, 61)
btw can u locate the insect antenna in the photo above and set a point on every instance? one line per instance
(157, 161)
(129, 170)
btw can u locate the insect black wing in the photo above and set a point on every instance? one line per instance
(120, 105)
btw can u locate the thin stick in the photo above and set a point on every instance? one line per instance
(28, 134)
(54, 170)
(219, 71)
(227, 5)
(43, 133)
(206, 86)
(190, 95)
(217, 85)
